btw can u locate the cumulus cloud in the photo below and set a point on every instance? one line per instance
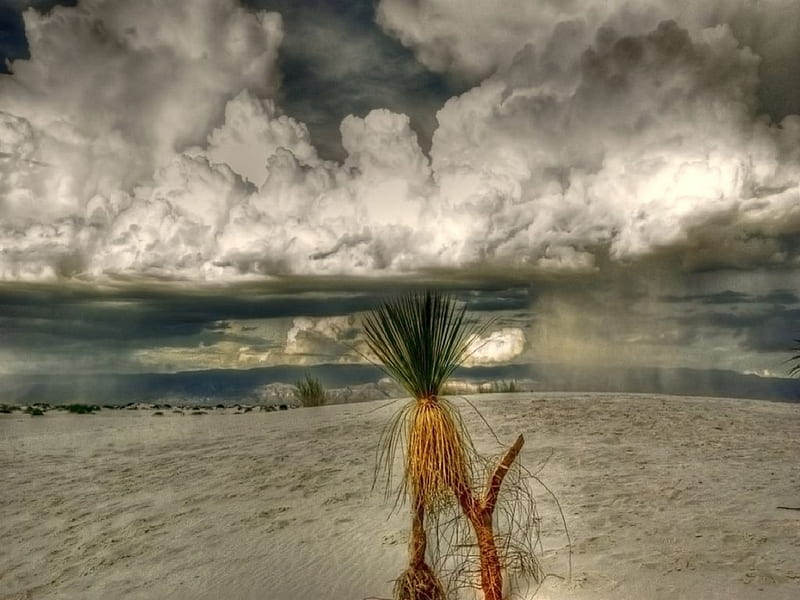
(252, 132)
(110, 96)
(594, 132)
(654, 140)
(324, 218)
(475, 39)
(112, 78)
(322, 338)
(500, 346)
(312, 340)
(237, 344)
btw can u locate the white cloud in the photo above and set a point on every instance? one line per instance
(112, 92)
(500, 346)
(128, 138)
(264, 342)
(656, 138)
(476, 38)
(324, 339)
(120, 86)
(252, 132)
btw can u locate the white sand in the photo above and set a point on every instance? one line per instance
(666, 498)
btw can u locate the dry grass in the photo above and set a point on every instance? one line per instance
(310, 392)
(437, 458)
(437, 449)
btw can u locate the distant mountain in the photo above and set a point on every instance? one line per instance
(358, 382)
(680, 381)
(202, 387)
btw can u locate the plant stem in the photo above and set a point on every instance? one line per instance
(479, 513)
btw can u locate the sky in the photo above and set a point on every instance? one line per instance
(230, 185)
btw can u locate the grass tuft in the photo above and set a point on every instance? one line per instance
(499, 387)
(310, 392)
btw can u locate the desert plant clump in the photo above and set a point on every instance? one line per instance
(310, 392)
(82, 409)
(419, 340)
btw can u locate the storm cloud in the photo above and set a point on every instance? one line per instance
(592, 134)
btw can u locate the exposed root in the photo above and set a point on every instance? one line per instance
(418, 582)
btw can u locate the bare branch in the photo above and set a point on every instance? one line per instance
(499, 474)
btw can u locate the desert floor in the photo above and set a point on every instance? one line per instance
(665, 498)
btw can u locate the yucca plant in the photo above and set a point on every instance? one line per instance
(795, 370)
(420, 339)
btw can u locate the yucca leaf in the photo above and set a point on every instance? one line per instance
(420, 339)
(795, 359)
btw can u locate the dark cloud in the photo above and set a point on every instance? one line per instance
(780, 297)
(777, 296)
(335, 61)
(774, 331)
(724, 297)
(497, 300)
(53, 324)
(149, 313)
(761, 324)
(156, 308)
(13, 43)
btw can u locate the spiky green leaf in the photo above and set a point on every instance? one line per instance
(795, 370)
(420, 339)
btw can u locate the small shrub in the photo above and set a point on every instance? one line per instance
(450, 389)
(508, 387)
(499, 387)
(310, 392)
(82, 409)
(158, 413)
(35, 412)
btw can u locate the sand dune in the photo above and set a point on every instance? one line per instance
(665, 497)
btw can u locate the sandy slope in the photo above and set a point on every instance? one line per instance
(665, 497)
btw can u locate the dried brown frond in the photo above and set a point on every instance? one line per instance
(439, 453)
